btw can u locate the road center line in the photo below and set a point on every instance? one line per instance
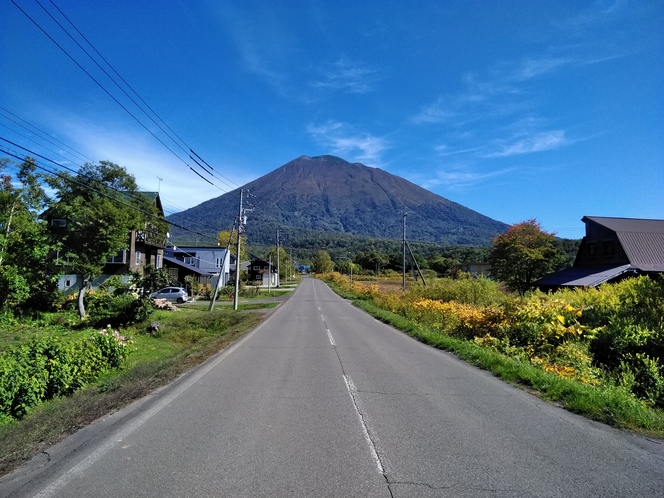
(329, 336)
(372, 447)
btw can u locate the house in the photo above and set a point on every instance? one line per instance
(144, 247)
(207, 264)
(262, 271)
(613, 249)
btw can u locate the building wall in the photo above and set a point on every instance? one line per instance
(600, 246)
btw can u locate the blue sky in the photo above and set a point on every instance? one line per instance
(516, 109)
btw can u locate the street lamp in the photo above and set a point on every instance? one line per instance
(351, 268)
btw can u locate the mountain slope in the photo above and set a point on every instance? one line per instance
(329, 194)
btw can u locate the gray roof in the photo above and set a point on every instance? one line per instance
(641, 239)
(182, 264)
(577, 276)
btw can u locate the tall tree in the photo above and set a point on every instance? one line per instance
(96, 209)
(284, 261)
(224, 236)
(322, 263)
(372, 259)
(24, 241)
(522, 255)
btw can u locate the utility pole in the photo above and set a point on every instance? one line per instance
(290, 265)
(278, 279)
(240, 222)
(220, 281)
(403, 272)
(269, 275)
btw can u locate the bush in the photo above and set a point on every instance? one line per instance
(45, 368)
(120, 309)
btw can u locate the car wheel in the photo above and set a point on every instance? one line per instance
(179, 300)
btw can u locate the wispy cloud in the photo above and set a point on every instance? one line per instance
(533, 68)
(362, 147)
(461, 179)
(436, 112)
(348, 76)
(445, 150)
(537, 142)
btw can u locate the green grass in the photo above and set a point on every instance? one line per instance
(606, 404)
(186, 338)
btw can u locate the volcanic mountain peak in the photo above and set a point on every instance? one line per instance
(329, 194)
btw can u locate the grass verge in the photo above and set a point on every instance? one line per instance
(610, 405)
(186, 339)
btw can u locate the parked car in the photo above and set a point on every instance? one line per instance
(175, 294)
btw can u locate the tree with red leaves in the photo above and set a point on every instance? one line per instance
(522, 255)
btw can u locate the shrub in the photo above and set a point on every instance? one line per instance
(45, 368)
(121, 309)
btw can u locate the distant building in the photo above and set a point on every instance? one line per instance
(262, 271)
(613, 249)
(207, 264)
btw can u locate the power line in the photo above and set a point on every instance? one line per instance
(128, 86)
(60, 175)
(105, 90)
(164, 203)
(134, 92)
(45, 135)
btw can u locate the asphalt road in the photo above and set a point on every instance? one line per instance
(323, 400)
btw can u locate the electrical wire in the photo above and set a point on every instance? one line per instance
(106, 91)
(5, 150)
(45, 135)
(131, 88)
(134, 91)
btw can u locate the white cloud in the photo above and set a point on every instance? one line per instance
(362, 147)
(533, 68)
(537, 142)
(437, 112)
(460, 179)
(147, 160)
(445, 150)
(346, 75)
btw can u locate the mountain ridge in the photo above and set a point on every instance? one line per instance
(327, 193)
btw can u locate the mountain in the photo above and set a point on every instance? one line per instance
(329, 194)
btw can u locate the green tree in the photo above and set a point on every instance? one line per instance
(522, 255)
(322, 263)
(223, 238)
(99, 207)
(24, 242)
(372, 260)
(284, 261)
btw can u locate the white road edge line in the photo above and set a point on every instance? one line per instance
(329, 336)
(372, 448)
(96, 455)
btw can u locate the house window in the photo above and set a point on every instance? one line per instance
(266, 268)
(190, 260)
(608, 249)
(592, 251)
(259, 277)
(217, 263)
(257, 268)
(58, 223)
(119, 258)
(67, 283)
(158, 264)
(138, 257)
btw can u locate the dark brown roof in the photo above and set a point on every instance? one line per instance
(641, 239)
(576, 276)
